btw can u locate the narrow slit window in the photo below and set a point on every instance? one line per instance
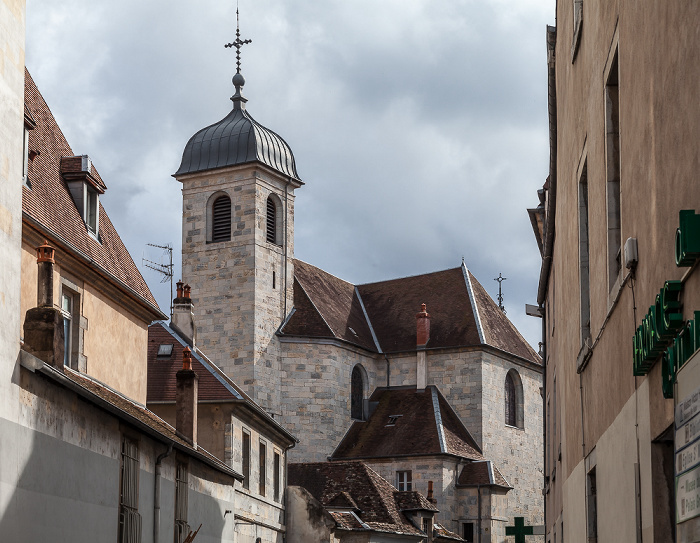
(246, 460)
(221, 219)
(263, 468)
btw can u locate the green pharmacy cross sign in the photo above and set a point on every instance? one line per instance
(520, 530)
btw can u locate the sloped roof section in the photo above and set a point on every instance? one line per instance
(499, 332)
(408, 422)
(327, 307)
(482, 474)
(373, 494)
(49, 203)
(381, 317)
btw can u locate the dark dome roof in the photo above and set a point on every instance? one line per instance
(237, 139)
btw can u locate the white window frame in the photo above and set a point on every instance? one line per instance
(404, 480)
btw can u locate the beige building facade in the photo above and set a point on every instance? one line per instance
(624, 126)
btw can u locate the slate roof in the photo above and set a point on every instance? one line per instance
(425, 425)
(213, 385)
(481, 473)
(48, 203)
(380, 317)
(376, 498)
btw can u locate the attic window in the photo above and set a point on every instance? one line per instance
(91, 209)
(165, 349)
(393, 419)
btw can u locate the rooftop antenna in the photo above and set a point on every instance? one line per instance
(166, 270)
(500, 280)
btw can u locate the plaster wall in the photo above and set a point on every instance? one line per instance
(110, 342)
(308, 520)
(13, 451)
(657, 47)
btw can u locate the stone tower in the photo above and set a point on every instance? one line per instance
(238, 180)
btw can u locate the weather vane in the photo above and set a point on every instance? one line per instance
(238, 43)
(500, 280)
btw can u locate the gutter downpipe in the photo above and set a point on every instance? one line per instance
(286, 244)
(478, 490)
(286, 473)
(156, 493)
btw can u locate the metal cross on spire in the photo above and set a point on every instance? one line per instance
(500, 280)
(238, 43)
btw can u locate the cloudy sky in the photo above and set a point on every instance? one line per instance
(418, 126)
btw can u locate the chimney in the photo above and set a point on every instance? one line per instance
(430, 493)
(422, 338)
(422, 327)
(186, 399)
(43, 325)
(183, 316)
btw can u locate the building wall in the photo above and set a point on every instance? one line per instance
(13, 449)
(236, 307)
(657, 47)
(108, 338)
(315, 392)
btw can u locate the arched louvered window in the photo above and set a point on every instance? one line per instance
(221, 219)
(271, 220)
(356, 394)
(510, 401)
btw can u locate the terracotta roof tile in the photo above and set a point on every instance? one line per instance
(405, 423)
(481, 473)
(347, 521)
(372, 494)
(410, 500)
(49, 202)
(328, 307)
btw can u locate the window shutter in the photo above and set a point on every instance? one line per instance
(221, 219)
(271, 220)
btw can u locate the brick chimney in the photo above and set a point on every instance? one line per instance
(430, 493)
(422, 338)
(183, 316)
(186, 399)
(43, 325)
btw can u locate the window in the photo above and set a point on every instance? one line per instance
(277, 475)
(67, 310)
(357, 385)
(578, 27)
(245, 461)
(263, 468)
(403, 480)
(165, 349)
(514, 404)
(91, 210)
(583, 257)
(182, 529)
(221, 219)
(612, 159)
(468, 532)
(25, 163)
(592, 509)
(271, 220)
(129, 518)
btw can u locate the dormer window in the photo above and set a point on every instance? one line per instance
(85, 188)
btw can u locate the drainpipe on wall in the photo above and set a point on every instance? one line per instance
(388, 371)
(286, 465)
(286, 245)
(156, 494)
(478, 490)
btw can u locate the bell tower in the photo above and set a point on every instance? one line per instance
(238, 180)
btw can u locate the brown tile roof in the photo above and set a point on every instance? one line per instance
(50, 205)
(132, 412)
(328, 307)
(481, 473)
(373, 494)
(213, 385)
(410, 500)
(347, 521)
(424, 424)
(162, 369)
(440, 533)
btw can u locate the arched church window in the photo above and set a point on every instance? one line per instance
(271, 220)
(514, 400)
(357, 386)
(221, 219)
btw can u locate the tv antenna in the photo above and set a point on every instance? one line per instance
(500, 280)
(166, 270)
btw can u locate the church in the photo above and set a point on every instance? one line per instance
(432, 355)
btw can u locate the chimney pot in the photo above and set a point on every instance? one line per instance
(187, 359)
(45, 261)
(186, 291)
(179, 288)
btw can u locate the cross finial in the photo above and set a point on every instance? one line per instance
(238, 43)
(500, 280)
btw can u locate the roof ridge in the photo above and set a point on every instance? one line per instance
(407, 277)
(472, 300)
(324, 271)
(369, 322)
(438, 420)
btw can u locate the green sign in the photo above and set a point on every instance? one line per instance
(687, 238)
(519, 530)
